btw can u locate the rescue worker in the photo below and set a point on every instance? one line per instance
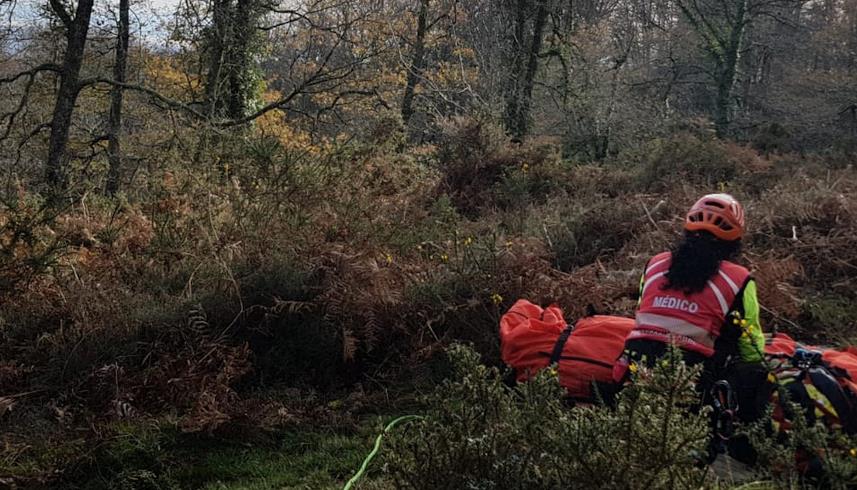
(699, 299)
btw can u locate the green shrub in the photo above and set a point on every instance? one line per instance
(480, 169)
(684, 158)
(595, 181)
(28, 245)
(835, 316)
(772, 138)
(588, 233)
(461, 297)
(482, 434)
(131, 457)
(528, 184)
(807, 456)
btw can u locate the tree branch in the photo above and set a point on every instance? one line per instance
(146, 90)
(61, 12)
(703, 27)
(31, 72)
(25, 96)
(301, 88)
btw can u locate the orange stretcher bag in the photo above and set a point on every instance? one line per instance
(533, 338)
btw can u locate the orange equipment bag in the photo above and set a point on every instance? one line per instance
(533, 338)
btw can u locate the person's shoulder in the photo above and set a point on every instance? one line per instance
(658, 259)
(734, 269)
(661, 256)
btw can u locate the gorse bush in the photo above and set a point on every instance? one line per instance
(835, 314)
(809, 455)
(590, 232)
(480, 169)
(28, 246)
(480, 437)
(482, 434)
(687, 158)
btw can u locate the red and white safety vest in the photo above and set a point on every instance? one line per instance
(691, 321)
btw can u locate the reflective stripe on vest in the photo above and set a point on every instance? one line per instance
(650, 280)
(720, 299)
(729, 281)
(681, 332)
(652, 267)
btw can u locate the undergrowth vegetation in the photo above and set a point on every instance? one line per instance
(338, 275)
(481, 434)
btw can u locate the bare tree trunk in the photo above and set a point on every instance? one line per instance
(239, 59)
(727, 70)
(522, 121)
(217, 47)
(851, 12)
(77, 29)
(114, 123)
(229, 85)
(418, 64)
(513, 97)
(724, 45)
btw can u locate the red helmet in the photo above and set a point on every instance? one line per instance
(720, 214)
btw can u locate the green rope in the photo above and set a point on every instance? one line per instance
(374, 451)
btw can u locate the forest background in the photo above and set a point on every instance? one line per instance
(232, 232)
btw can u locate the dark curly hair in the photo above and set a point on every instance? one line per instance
(696, 259)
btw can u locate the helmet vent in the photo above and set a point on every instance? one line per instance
(719, 214)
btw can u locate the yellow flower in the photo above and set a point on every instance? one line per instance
(525, 167)
(468, 241)
(554, 372)
(853, 452)
(633, 367)
(444, 258)
(496, 298)
(772, 378)
(389, 258)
